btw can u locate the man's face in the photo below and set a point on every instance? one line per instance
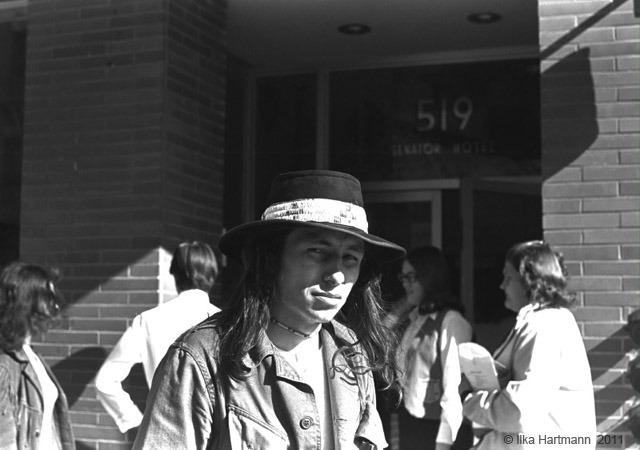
(318, 269)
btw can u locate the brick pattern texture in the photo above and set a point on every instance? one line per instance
(123, 158)
(590, 90)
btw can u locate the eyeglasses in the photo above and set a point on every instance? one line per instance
(408, 277)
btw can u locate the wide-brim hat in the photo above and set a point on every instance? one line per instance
(313, 198)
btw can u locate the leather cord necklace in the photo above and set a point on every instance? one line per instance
(291, 330)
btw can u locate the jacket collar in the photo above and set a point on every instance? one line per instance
(18, 355)
(27, 370)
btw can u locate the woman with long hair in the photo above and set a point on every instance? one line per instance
(546, 394)
(33, 408)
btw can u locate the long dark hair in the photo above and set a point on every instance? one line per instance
(247, 311)
(29, 300)
(432, 270)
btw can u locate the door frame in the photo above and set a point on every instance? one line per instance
(412, 191)
(431, 190)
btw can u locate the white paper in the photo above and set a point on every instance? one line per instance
(477, 364)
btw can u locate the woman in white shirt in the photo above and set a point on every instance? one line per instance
(430, 416)
(33, 407)
(546, 397)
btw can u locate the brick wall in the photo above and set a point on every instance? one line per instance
(591, 159)
(123, 158)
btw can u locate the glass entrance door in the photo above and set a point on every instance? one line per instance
(410, 218)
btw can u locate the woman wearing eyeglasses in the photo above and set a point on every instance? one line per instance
(546, 397)
(33, 408)
(430, 416)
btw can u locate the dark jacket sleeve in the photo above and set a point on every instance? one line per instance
(179, 412)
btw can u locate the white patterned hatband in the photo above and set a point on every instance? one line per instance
(319, 210)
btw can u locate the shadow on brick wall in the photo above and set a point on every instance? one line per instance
(78, 370)
(77, 373)
(613, 394)
(568, 92)
(568, 96)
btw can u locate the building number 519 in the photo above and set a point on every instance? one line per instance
(436, 115)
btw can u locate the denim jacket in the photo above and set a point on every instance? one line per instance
(21, 405)
(272, 408)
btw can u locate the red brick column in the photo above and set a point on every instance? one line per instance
(591, 162)
(123, 158)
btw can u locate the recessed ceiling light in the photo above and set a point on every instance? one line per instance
(354, 28)
(484, 17)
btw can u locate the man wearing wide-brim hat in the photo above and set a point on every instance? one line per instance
(289, 362)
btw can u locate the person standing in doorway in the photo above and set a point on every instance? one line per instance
(430, 416)
(194, 268)
(289, 361)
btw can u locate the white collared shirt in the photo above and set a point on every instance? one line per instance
(455, 330)
(146, 341)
